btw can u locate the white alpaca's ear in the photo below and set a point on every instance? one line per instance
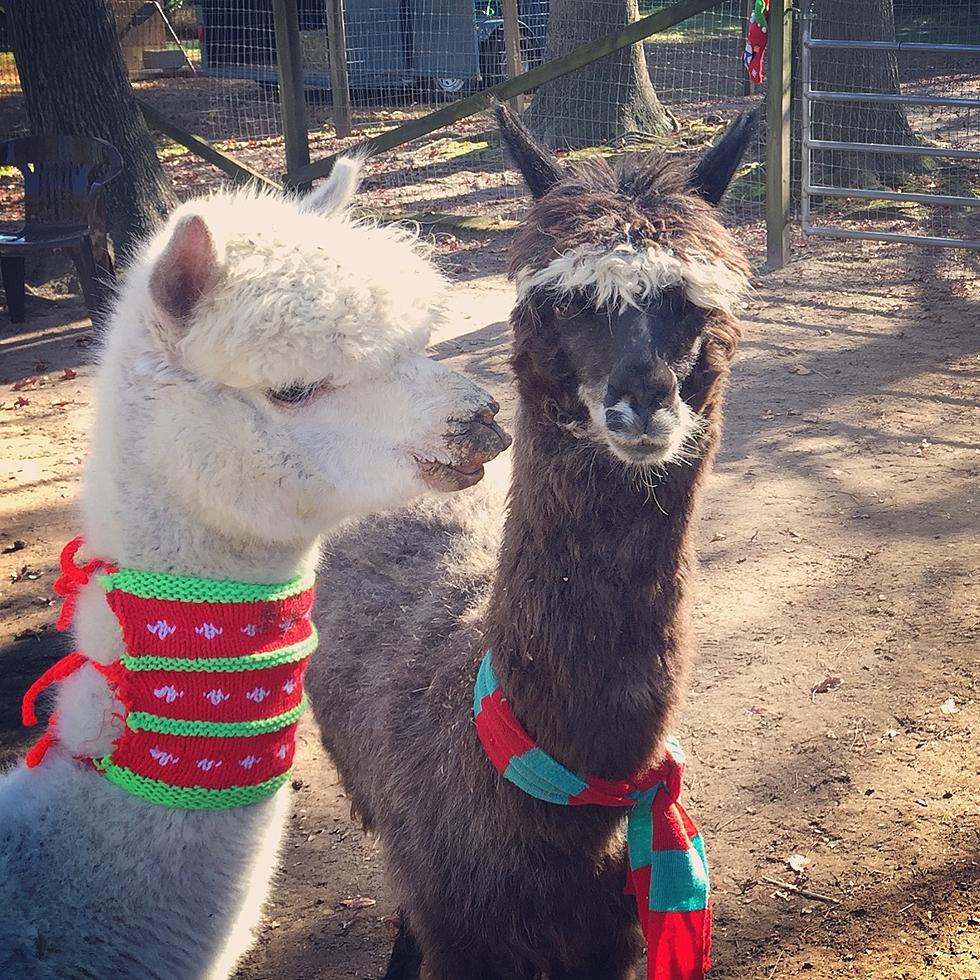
(337, 193)
(185, 270)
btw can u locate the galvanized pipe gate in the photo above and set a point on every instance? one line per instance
(812, 46)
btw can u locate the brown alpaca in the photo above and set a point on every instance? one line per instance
(623, 334)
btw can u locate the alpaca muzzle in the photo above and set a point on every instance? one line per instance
(470, 444)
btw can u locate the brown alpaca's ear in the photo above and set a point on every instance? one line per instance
(537, 165)
(714, 172)
(186, 269)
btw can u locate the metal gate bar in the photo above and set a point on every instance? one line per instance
(919, 151)
(819, 95)
(809, 189)
(891, 236)
(875, 195)
(820, 42)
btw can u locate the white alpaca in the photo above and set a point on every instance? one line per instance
(261, 382)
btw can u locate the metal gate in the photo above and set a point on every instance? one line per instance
(814, 47)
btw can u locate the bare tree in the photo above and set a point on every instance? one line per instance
(860, 71)
(601, 101)
(75, 83)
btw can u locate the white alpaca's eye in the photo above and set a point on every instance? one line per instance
(297, 394)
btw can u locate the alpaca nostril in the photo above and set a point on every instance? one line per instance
(482, 441)
(617, 421)
(502, 437)
(487, 413)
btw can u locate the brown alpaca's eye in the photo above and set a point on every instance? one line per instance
(297, 394)
(567, 309)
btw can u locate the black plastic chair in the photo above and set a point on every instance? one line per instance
(63, 176)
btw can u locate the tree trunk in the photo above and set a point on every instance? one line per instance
(859, 71)
(75, 83)
(604, 100)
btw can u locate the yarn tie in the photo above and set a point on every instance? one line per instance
(73, 578)
(64, 668)
(668, 868)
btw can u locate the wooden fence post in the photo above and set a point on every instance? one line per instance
(339, 83)
(779, 125)
(292, 97)
(512, 49)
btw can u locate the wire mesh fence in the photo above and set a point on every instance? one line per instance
(673, 92)
(11, 98)
(211, 67)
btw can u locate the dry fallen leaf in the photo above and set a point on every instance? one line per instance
(25, 384)
(825, 686)
(799, 863)
(70, 374)
(358, 902)
(32, 633)
(948, 707)
(21, 402)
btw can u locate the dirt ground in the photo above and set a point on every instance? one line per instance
(833, 726)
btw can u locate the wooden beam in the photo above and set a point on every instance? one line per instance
(512, 49)
(779, 128)
(454, 111)
(339, 82)
(292, 95)
(173, 36)
(199, 146)
(441, 219)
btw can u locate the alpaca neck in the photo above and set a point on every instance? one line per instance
(130, 522)
(587, 620)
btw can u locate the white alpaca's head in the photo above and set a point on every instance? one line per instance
(264, 369)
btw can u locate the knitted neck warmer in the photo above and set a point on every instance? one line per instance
(668, 869)
(211, 683)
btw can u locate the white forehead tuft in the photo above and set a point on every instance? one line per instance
(626, 276)
(302, 296)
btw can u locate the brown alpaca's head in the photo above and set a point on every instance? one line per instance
(626, 283)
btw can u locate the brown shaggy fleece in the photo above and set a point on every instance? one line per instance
(646, 199)
(584, 606)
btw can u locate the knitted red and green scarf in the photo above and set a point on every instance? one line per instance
(211, 682)
(668, 868)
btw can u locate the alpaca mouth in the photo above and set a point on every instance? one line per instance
(474, 443)
(447, 478)
(643, 453)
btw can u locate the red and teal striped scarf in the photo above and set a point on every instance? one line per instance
(211, 682)
(668, 869)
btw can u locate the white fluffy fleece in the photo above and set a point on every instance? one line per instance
(290, 278)
(197, 467)
(627, 276)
